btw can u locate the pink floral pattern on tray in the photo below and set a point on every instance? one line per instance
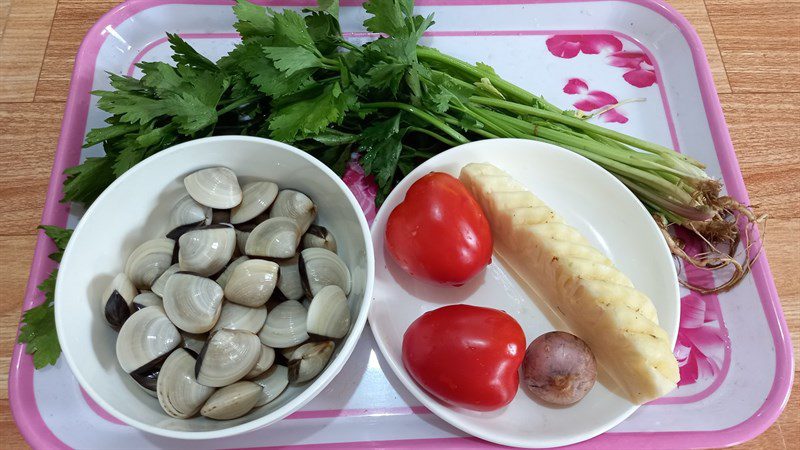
(592, 100)
(640, 69)
(702, 340)
(569, 45)
(641, 72)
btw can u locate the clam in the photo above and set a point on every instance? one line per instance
(179, 393)
(289, 282)
(194, 342)
(285, 325)
(227, 357)
(117, 299)
(328, 313)
(252, 282)
(294, 205)
(222, 279)
(241, 239)
(193, 303)
(319, 268)
(215, 187)
(265, 361)
(206, 251)
(144, 338)
(256, 198)
(149, 261)
(274, 238)
(148, 379)
(273, 382)
(318, 237)
(232, 402)
(145, 299)
(161, 282)
(188, 212)
(238, 317)
(308, 361)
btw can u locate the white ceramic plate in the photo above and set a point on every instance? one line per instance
(590, 199)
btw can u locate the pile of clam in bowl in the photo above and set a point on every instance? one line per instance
(242, 297)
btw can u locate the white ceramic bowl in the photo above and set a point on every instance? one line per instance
(134, 209)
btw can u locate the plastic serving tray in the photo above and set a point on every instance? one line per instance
(734, 349)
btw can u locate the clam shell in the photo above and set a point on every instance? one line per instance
(318, 237)
(161, 282)
(285, 325)
(232, 401)
(274, 238)
(241, 239)
(117, 300)
(319, 268)
(144, 337)
(206, 251)
(309, 360)
(294, 205)
(273, 382)
(222, 279)
(228, 356)
(256, 198)
(194, 341)
(238, 317)
(179, 393)
(328, 313)
(215, 187)
(146, 299)
(193, 303)
(265, 361)
(252, 282)
(188, 212)
(289, 282)
(149, 261)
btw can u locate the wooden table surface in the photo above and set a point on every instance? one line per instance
(753, 47)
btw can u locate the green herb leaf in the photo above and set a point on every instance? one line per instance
(381, 146)
(290, 30)
(298, 119)
(60, 237)
(253, 20)
(388, 17)
(292, 59)
(39, 330)
(88, 180)
(184, 54)
(263, 73)
(126, 159)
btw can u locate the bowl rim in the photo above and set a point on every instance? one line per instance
(313, 389)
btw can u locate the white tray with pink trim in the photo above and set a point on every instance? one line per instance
(734, 350)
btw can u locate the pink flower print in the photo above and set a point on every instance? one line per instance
(641, 74)
(363, 188)
(701, 344)
(569, 45)
(593, 100)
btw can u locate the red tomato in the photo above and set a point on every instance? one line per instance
(439, 232)
(466, 356)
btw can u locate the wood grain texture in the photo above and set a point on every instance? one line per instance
(760, 43)
(753, 47)
(28, 136)
(25, 33)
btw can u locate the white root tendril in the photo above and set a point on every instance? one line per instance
(724, 231)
